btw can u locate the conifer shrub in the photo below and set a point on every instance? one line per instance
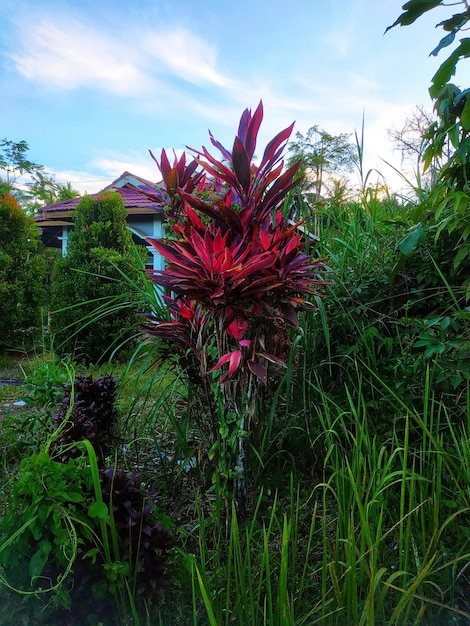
(22, 271)
(93, 310)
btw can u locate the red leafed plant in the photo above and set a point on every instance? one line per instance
(236, 270)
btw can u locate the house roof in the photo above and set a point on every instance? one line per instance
(129, 178)
(131, 198)
(134, 200)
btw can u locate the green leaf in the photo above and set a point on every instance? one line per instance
(447, 69)
(460, 256)
(39, 559)
(455, 380)
(454, 135)
(398, 267)
(69, 496)
(445, 41)
(410, 242)
(465, 116)
(413, 10)
(443, 74)
(430, 351)
(455, 22)
(99, 510)
(213, 450)
(224, 430)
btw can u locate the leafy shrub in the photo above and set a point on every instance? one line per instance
(45, 381)
(86, 412)
(238, 275)
(94, 312)
(142, 541)
(22, 271)
(393, 312)
(46, 522)
(73, 531)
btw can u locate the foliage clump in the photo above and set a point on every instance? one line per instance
(87, 412)
(143, 541)
(76, 529)
(93, 312)
(238, 275)
(448, 138)
(22, 271)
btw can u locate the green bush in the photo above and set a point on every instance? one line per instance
(387, 314)
(22, 270)
(94, 312)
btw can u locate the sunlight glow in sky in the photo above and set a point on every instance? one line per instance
(92, 86)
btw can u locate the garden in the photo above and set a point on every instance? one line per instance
(274, 429)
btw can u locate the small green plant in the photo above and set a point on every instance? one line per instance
(256, 572)
(47, 526)
(71, 526)
(445, 344)
(45, 379)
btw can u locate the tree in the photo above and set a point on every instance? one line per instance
(65, 192)
(409, 141)
(94, 312)
(22, 270)
(450, 132)
(14, 162)
(40, 187)
(448, 138)
(321, 153)
(46, 191)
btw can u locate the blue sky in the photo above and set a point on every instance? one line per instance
(92, 85)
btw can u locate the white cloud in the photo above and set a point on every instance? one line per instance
(69, 54)
(83, 181)
(115, 166)
(102, 171)
(185, 55)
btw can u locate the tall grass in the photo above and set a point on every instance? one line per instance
(380, 540)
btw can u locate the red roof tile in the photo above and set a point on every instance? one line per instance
(132, 199)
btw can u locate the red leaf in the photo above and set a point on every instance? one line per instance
(256, 263)
(282, 185)
(252, 134)
(201, 249)
(194, 218)
(258, 370)
(249, 127)
(274, 144)
(243, 125)
(289, 314)
(225, 153)
(233, 358)
(241, 164)
(237, 329)
(272, 358)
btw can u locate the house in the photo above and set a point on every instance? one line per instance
(144, 217)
